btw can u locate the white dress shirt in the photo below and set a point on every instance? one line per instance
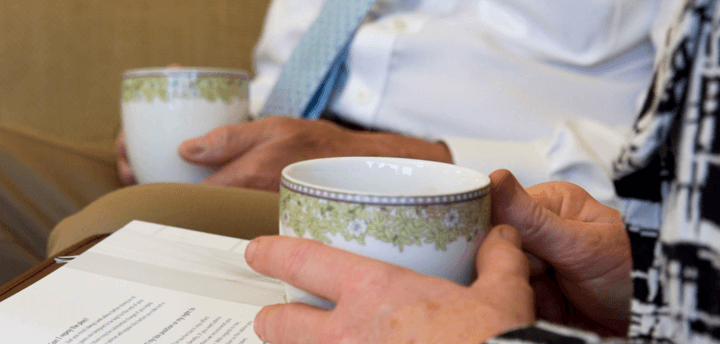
(546, 89)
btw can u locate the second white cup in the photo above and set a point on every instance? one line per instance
(162, 107)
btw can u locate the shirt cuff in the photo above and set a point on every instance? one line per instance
(580, 152)
(526, 160)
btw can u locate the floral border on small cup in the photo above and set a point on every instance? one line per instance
(210, 86)
(401, 221)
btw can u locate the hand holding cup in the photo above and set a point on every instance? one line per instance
(427, 216)
(162, 107)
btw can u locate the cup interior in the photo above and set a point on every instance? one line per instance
(390, 177)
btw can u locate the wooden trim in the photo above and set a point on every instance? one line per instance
(46, 267)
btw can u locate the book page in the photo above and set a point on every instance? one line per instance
(182, 260)
(145, 284)
(77, 307)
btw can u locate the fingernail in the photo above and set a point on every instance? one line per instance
(195, 147)
(250, 251)
(508, 233)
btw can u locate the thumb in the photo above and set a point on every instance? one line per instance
(543, 233)
(500, 255)
(218, 146)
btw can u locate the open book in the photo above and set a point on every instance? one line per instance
(145, 284)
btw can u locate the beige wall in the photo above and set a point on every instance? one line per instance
(61, 61)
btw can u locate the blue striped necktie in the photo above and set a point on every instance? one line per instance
(318, 63)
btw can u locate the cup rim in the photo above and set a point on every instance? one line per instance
(349, 195)
(185, 71)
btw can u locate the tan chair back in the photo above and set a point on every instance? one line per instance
(61, 61)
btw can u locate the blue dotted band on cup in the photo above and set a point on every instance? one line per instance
(384, 200)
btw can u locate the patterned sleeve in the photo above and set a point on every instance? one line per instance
(547, 333)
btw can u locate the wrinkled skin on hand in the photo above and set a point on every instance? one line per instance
(378, 302)
(578, 240)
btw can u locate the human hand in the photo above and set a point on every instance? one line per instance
(123, 164)
(377, 302)
(252, 155)
(583, 241)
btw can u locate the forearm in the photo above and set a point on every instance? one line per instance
(399, 146)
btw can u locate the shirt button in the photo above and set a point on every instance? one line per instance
(383, 5)
(362, 96)
(400, 26)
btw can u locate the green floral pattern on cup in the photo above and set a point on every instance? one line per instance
(163, 87)
(401, 225)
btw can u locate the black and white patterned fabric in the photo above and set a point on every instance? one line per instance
(668, 180)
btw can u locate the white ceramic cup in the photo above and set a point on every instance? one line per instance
(426, 216)
(162, 107)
